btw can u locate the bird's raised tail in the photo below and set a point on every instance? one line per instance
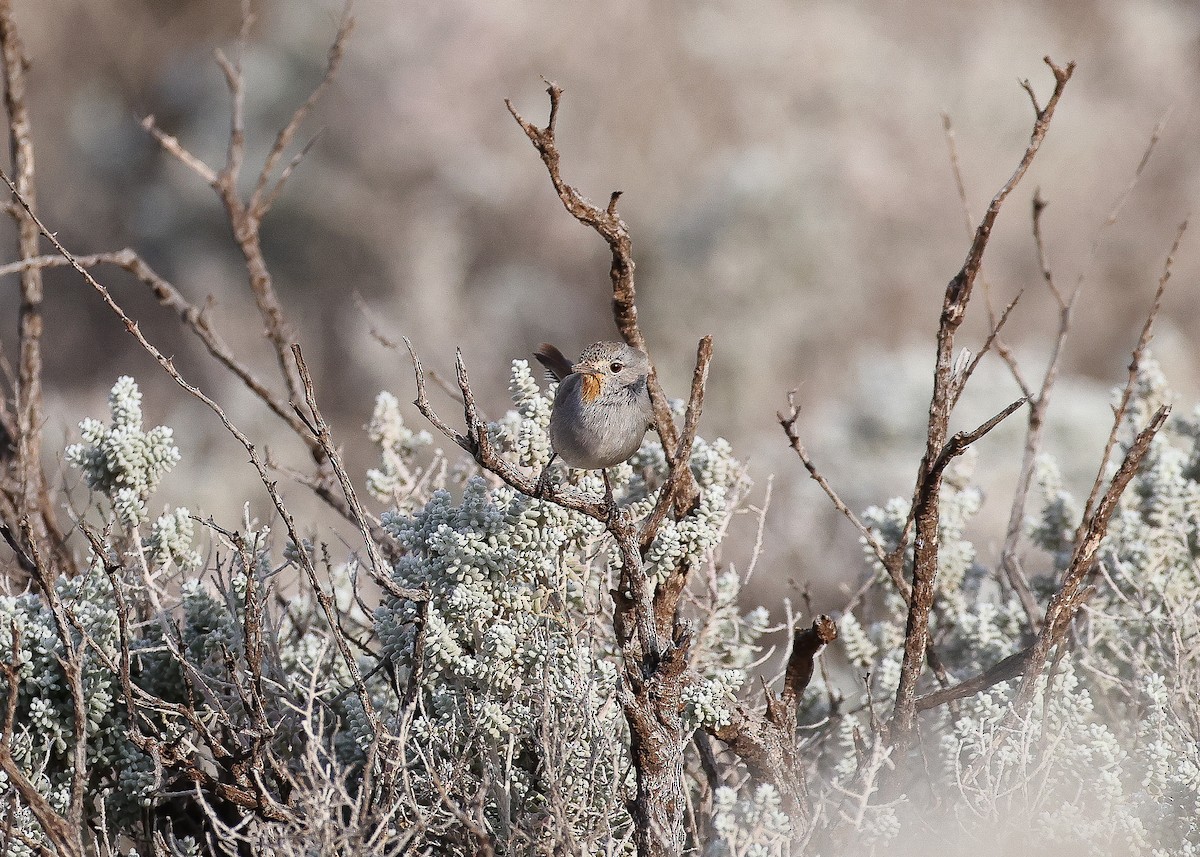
(557, 365)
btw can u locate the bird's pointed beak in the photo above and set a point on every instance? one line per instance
(586, 369)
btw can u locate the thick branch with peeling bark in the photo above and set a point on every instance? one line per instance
(653, 709)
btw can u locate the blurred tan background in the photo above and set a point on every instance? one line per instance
(786, 183)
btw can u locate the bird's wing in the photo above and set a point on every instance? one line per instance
(556, 364)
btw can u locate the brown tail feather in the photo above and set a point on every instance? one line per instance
(556, 364)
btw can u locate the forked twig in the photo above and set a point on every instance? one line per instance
(926, 493)
(609, 226)
(1073, 591)
(246, 214)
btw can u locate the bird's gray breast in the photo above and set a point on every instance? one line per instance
(602, 433)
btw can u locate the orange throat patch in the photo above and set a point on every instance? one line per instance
(591, 388)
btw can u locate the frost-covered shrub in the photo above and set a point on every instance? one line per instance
(519, 666)
(43, 739)
(121, 461)
(498, 694)
(395, 477)
(489, 703)
(1108, 761)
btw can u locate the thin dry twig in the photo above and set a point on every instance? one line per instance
(788, 423)
(173, 147)
(1134, 365)
(961, 378)
(1123, 197)
(196, 318)
(246, 215)
(1039, 403)
(370, 537)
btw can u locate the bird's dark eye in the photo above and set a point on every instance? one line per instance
(616, 366)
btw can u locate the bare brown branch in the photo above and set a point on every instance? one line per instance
(652, 705)
(30, 495)
(371, 535)
(958, 444)
(678, 460)
(766, 743)
(245, 215)
(259, 202)
(806, 644)
(1073, 591)
(926, 494)
(1003, 670)
(609, 226)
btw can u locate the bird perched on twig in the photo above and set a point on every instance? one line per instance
(602, 408)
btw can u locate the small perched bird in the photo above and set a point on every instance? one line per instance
(602, 408)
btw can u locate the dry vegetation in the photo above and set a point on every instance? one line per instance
(510, 666)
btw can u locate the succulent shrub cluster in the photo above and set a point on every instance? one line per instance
(517, 668)
(1109, 761)
(501, 686)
